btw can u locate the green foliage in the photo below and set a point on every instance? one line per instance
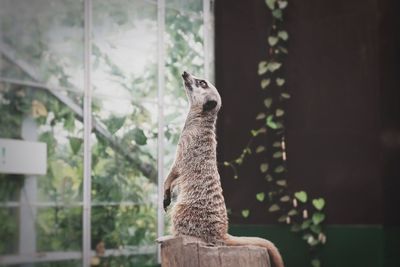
(260, 196)
(274, 207)
(139, 136)
(318, 203)
(281, 201)
(264, 167)
(301, 195)
(245, 213)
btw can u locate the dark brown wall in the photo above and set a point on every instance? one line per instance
(389, 71)
(335, 115)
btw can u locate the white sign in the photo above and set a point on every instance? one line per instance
(23, 157)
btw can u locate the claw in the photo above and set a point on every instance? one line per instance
(167, 199)
(166, 203)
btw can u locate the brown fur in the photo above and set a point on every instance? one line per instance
(200, 209)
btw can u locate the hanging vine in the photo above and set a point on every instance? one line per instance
(304, 215)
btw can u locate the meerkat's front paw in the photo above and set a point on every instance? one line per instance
(167, 199)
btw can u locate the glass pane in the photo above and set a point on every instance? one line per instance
(59, 229)
(41, 86)
(174, 119)
(46, 209)
(44, 38)
(124, 189)
(125, 49)
(185, 51)
(8, 230)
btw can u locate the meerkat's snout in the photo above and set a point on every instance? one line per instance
(188, 80)
(185, 75)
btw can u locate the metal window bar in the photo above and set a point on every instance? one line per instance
(160, 95)
(208, 42)
(87, 128)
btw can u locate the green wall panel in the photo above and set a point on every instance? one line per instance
(347, 245)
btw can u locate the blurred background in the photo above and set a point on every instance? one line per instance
(92, 105)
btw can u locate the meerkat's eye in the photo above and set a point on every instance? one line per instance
(203, 84)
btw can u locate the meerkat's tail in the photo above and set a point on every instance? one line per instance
(255, 241)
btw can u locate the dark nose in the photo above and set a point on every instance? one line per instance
(185, 75)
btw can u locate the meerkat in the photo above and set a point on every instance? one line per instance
(199, 209)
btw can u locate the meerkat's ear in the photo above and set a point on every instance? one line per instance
(209, 105)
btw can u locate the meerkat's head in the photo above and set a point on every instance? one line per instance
(201, 94)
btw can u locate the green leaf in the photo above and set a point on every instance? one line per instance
(264, 167)
(260, 116)
(260, 149)
(282, 218)
(281, 183)
(274, 207)
(272, 40)
(319, 203)
(69, 122)
(273, 66)
(283, 35)
(285, 95)
(279, 112)
(277, 155)
(75, 144)
(64, 82)
(270, 4)
(305, 224)
(316, 263)
(282, 4)
(265, 83)
(277, 13)
(316, 228)
(245, 213)
(269, 178)
(301, 196)
(280, 81)
(276, 144)
(312, 241)
(139, 136)
(115, 123)
(306, 236)
(239, 161)
(259, 131)
(279, 169)
(260, 196)
(262, 67)
(268, 102)
(285, 198)
(318, 217)
(270, 123)
(292, 212)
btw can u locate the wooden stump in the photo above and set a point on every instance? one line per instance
(190, 252)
